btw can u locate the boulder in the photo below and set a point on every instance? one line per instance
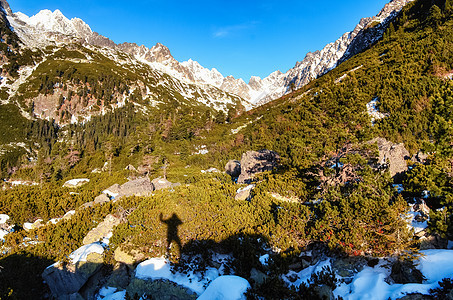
(66, 279)
(74, 183)
(233, 168)
(162, 183)
(347, 267)
(395, 155)
(420, 157)
(123, 257)
(257, 276)
(131, 168)
(324, 292)
(405, 272)
(112, 190)
(103, 230)
(136, 187)
(254, 162)
(102, 198)
(120, 277)
(244, 193)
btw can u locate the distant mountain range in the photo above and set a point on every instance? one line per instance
(53, 28)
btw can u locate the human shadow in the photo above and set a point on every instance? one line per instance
(172, 232)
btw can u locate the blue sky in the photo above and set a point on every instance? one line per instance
(239, 38)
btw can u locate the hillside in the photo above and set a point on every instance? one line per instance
(357, 176)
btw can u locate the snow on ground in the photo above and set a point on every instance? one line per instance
(373, 111)
(69, 214)
(159, 268)
(201, 150)
(242, 189)
(399, 188)
(370, 282)
(226, 287)
(82, 253)
(3, 218)
(412, 220)
(110, 194)
(210, 170)
(110, 293)
(264, 260)
(28, 226)
(3, 233)
(305, 274)
(54, 220)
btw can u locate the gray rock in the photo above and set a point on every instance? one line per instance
(233, 168)
(405, 272)
(324, 292)
(102, 230)
(245, 193)
(136, 187)
(395, 155)
(258, 276)
(115, 188)
(420, 157)
(120, 277)
(131, 168)
(162, 183)
(102, 198)
(66, 279)
(349, 266)
(254, 162)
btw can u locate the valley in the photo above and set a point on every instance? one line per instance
(130, 175)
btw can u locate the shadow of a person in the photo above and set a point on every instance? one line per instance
(172, 231)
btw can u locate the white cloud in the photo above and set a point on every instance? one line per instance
(227, 31)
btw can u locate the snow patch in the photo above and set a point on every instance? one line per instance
(3, 218)
(226, 287)
(159, 268)
(373, 111)
(75, 182)
(82, 253)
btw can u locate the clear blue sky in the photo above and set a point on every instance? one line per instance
(239, 38)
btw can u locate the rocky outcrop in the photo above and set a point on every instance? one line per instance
(393, 156)
(66, 279)
(162, 183)
(136, 187)
(244, 193)
(254, 162)
(405, 272)
(103, 230)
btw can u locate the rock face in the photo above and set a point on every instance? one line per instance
(233, 168)
(395, 154)
(254, 162)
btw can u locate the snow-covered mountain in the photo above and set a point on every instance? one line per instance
(48, 27)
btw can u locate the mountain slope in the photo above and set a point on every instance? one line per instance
(330, 199)
(53, 26)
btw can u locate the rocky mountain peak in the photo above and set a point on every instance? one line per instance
(56, 27)
(5, 6)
